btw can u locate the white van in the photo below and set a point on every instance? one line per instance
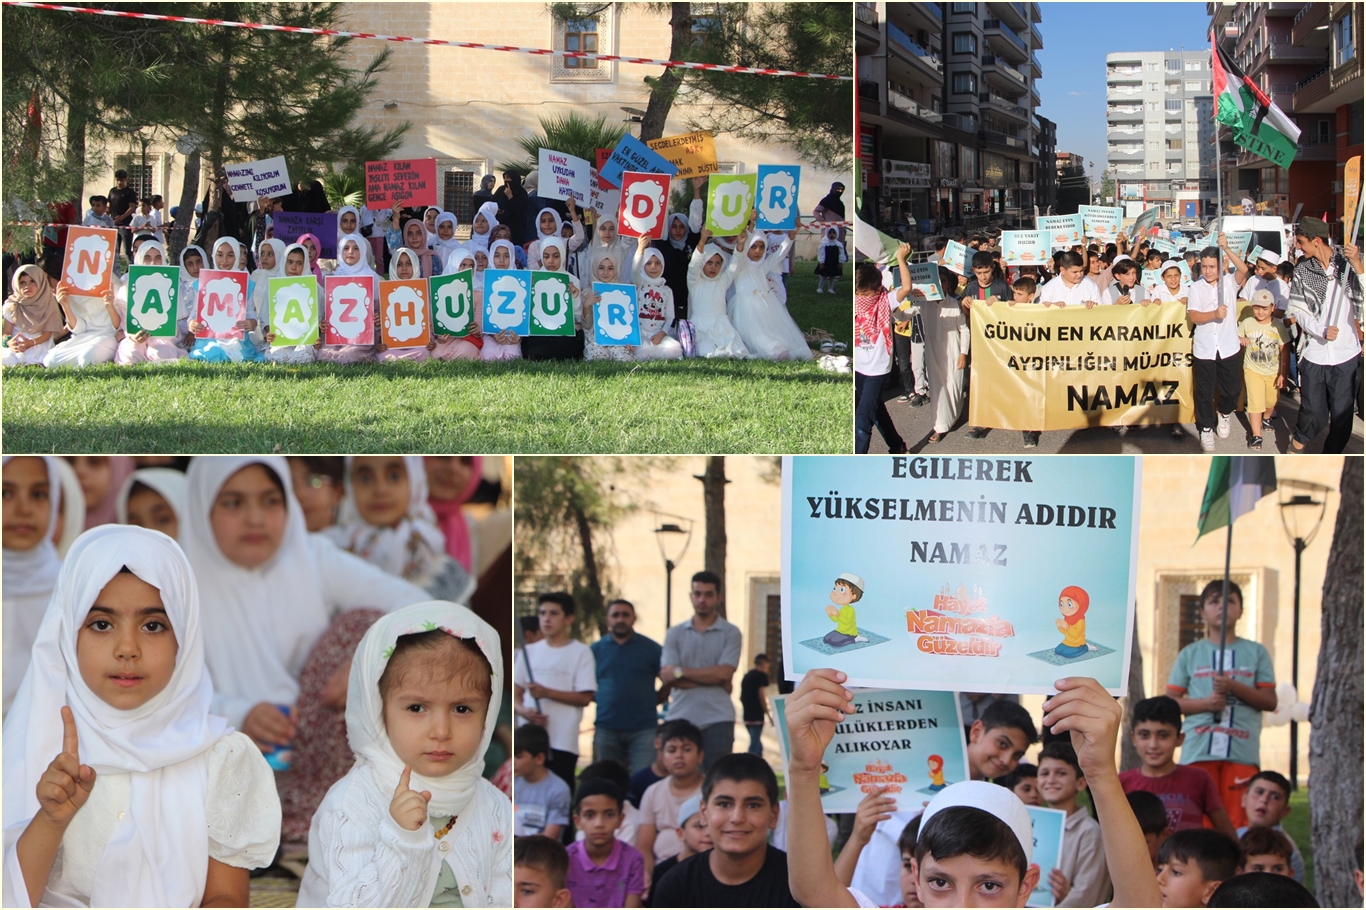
(1269, 232)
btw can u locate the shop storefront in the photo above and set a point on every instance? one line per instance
(905, 191)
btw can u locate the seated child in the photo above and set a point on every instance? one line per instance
(153, 498)
(604, 871)
(118, 683)
(406, 265)
(692, 830)
(658, 838)
(558, 347)
(507, 344)
(1187, 792)
(1191, 864)
(1024, 783)
(414, 823)
(352, 262)
(655, 301)
(708, 281)
(1081, 879)
(1266, 850)
(32, 317)
(617, 773)
(448, 347)
(549, 224)
(1262, 889)
(293, 264)
(540, 866)
(1152, 818)
(756, 311)
(1266, 802)
(542, 798)
(1266, 361)
(504, 233)
(142, 347)
(602, 262)
(228, 256)
(1072, 604)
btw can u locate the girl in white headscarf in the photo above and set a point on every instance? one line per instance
(415, 237)
(602, 268)
(755, 310)
(228, 255)
(386, 520)
(505, 345)
(348, 222)
(32, 317)
(429, 216)
(32, 488)
(709, 277)
(142, 347)
(655, 303)
(293, 263)
(606, 240)
(443, 241)
(121, 788)
(449, 347)
(549, 225)
(558, 347)
(95, 324)
(71, 513)
(270, 263)
(192, 259)
(406, 265)
(153, 498)
(353, 261)
(481, 229)
(410, 826)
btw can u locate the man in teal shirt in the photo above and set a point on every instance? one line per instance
(627, 666)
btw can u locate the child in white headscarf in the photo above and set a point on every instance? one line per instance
(120, 787)
(443, 241)
(153, 498)
(603, 264)
(32, 318)
(71, 510)
(270, 263)
(353, 261)
(448, 347)
(655, 303)
(386, 520)
(96, 326)
(606, 240)
(293, 263)
(228, 256)
(142, 347)
(505, 345)
(558, 347)
(481, 229)
(829, 257)
(549, 225)
(414, 823)
(406, 265)
(755, 310)
(709, 277)
(31, 563)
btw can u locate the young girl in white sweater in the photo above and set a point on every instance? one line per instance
(414, 823)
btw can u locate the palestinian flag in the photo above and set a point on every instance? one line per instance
(1257, 124)
(1234, 486)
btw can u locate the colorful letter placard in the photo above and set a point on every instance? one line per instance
(153, 295)
(507, 301)
(644, 203)
(89, 261)
(909, 742)
(616, 320)
(250, 179)
(552, 307)
(1101, 221)
(563, 177)
(633, 155)
(730, 199)
(925, 279)
(222, 303)
(964, 569)
(404, 314)
(411, 182)
(290, 226)
(294, 310)
(1061, 230)
(956, 258)
(1049, 829)
(694, 154)
(453, 304)
(350, 309)
(776, 197)
(1024, 248)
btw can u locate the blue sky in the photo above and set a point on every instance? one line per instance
(1076, 38)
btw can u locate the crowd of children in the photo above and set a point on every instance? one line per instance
(198, 680)
(1255, 330)
(697, 295)
(1202, 831)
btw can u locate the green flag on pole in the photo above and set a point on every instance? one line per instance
(1234, 486)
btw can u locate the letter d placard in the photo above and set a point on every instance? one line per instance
(644, 200)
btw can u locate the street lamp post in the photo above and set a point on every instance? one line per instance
(668, 536)
(1301, 515)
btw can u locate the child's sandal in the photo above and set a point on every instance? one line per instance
(936, 436)
(1255, 444)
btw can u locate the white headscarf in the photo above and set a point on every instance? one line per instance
(73, 507)
(147, 247)
(159, 853)
(444, 248)
(709, 251)
(645, 279)
(34, 571)
(458, 258)
(480, 241)
(431, 235)
(278, 248)
(303, 251)
(344, 269)
(241, 262)
(388, 548)
(412, 257)
(512, 254)
(254, 619)
(365, 709)
(340, 233)
(166, 481)
(559, 223)
(556, 243)
(598, 254)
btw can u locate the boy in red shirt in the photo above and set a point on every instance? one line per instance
(1189, 794)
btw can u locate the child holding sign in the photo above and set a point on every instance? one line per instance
(559, 347)
(295, 265)
(708, 281)
(143, 348)
(656, 301)
(507, 344)
(96, 327)
(760, 318)
(31, 317)
(405, 266)
(603, 263)
(414, 823)
(228, 256)
(448, 347)
(352, 262)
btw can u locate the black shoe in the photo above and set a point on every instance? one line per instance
(977, 433)
(1031, 439)
(919, 401)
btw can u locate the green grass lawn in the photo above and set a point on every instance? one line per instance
(689, 406)
(1296, 824)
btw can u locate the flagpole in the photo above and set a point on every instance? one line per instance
(1347, 238)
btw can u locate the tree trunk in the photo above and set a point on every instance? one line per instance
(1335, 752)
(1128, 755)
(75, 152)
(591, 611)
(714, 503)
(665, 87)
(179, 238)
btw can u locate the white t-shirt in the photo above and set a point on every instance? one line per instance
(1218, 338)
(1279, 291)
(1137, 294)
(1339, 350)
(1056, 290)
(1162, 294)
(569, 668)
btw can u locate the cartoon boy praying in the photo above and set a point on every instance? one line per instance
(847, 591)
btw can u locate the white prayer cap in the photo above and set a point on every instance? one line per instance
(1169, 264)
(855, 580)
(992, 798)
(1270, 256)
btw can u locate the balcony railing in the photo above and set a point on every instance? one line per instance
(989, 24)
(965, 122)
(909, 106)
(1117, 154)
(932, 9)
(1000, 138)
(1004, 103)
(914, 48)
(1038, 70)
(1317, 74)
(867, 90)
(1000, 64)
(866, 13)
(1124, 131)
(1111, 90)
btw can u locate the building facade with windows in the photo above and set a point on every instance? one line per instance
(1046, 174)
(1159, 133)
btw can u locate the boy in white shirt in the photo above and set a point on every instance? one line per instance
(1212, 306)
(553, 680)
(1071, 286)
(1126, 289)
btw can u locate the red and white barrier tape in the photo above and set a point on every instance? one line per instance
(438, 42)
(808, 226)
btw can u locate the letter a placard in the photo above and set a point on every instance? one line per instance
(644, 201)
(405, 314)
(730, 199)
(153, 295)
(350, 307)
(89, 260)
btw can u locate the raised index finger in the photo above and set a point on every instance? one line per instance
(70, 741)
(403, 779)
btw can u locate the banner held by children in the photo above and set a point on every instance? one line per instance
(552, 306)
(153, 298)
(909, 742)
(1050, 827)
(776, 196)
(692, 154)
(350, 309)
(410, 181)
(294, 310)
(88, 267)
(252, 179)
(730, 199)
(290, 226)
(969, 566)
(404, 310)
(222, 303)
(563, 176)
(633, 155)
(616, 319)
(644, 203)
(453, 304)
(507, 301)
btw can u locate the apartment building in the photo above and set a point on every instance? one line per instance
(1045, 173)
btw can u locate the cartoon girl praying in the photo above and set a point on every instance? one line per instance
(1072, 603)
(936, 763)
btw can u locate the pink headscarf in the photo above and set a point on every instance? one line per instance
(451, 518)
(105, 512)
(312, 260)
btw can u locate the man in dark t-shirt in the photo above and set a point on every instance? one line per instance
(123, 204)
(754, 702)
(740, 804)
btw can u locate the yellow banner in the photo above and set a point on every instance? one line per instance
(1044, 368)
(694, 154)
